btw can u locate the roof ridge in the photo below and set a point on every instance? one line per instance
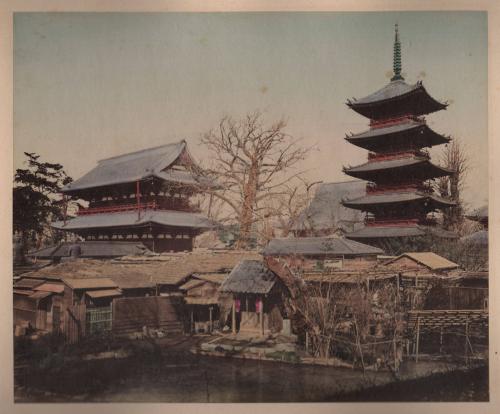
(144, 150)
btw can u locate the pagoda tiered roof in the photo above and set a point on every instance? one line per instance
(130, 219)
(137, 166)
(386, 198)
(416, 167)
(410, 131)
(397, 98)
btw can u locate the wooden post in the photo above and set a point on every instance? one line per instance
(192, 321)
(466, 340)
(441, 341)
(138, 199)
(307, 342)
(210, 311)
(262, 316)
(233, 320)
(418, 339)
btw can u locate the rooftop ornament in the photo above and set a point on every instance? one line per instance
(397, 56)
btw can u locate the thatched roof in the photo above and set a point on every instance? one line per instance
(250, 276)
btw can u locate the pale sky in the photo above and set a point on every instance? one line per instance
(92, 85)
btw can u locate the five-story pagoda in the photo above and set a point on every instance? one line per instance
(399, 196)
(142, 196)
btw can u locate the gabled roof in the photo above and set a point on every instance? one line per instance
(319, 246)
(396, 98)
(326, 212)
(92, 249)
(129, 219)
(135, 166)
(412, 131)
(398, 197)
(249, 276)
(428, 259)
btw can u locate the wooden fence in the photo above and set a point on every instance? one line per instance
(132, 314)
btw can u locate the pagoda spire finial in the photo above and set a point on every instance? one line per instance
(397, 56)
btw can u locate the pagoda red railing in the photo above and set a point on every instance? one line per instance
(118, 208)
(382, 123)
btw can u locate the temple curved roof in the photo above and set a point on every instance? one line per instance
(416, 167)
(131, 167)
(363, 203)
(129, 219)
(395, 99)
(417, 133)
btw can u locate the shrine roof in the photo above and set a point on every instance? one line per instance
(130, 219)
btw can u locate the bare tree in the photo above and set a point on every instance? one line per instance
(455, 158)
(252, 163)
(285, 208)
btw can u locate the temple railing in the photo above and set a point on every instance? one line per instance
(153, 205)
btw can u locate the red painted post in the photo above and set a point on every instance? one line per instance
(138, 199)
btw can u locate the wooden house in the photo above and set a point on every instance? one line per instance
(201, 295)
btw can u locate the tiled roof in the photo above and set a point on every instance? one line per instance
(326, 212)
(129, 218)
(397, 98)
(93, 249)
(425, 167)
(129, 167)
(249, 276)
(318, 246)
(421, 134)
(389, 91)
